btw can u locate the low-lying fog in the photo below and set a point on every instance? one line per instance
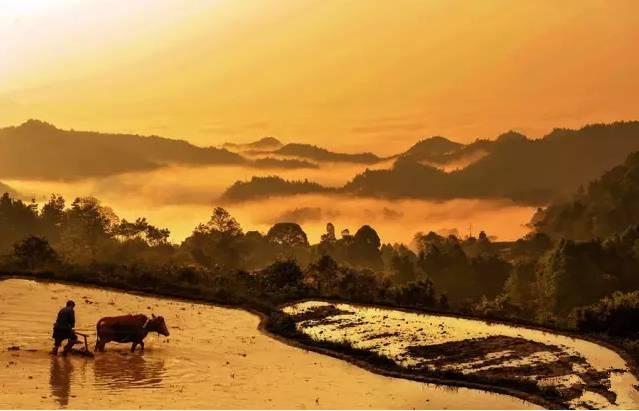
(181, 197)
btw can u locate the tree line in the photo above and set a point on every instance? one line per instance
(576, 268)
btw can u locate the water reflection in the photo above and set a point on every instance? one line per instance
(577, 368)
(229, 362)
(121, 371)
(60, 380)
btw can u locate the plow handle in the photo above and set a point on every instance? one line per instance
(86, 344)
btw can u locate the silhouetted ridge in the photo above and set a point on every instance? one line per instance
(263, 144)
(37, 125)
(315, 153)
(406, 178)
(53, 153)
(261, 187)
(511, 137)
(513, 167)
(432, 148)
(606, 206)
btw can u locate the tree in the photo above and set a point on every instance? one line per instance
(52, 217)
(521, 286)
(141, 229)
(280, 275)
(287, 234)
(218, 243)
(616, 314)
(419, 293)
(17, 220)
(402, 264)
(491, 273)
(329, 236)
(88, 224)
(328, 242)
(364, 250)
(572, 276)
(450, 270)
(367, 236)
(222, 222)
(34, 252)
(157, 236)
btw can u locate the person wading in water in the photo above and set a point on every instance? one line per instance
(63, 329)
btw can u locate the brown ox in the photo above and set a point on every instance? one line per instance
(128, 329)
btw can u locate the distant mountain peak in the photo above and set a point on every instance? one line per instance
(510, 136)
(268, 140)
(436, 139)
(264, 143)
(432, 146)
(315, 153)
(34, 124)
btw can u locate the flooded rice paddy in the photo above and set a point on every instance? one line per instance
(214, 358)
(588, 375)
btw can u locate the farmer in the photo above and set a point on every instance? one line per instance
(63, 329)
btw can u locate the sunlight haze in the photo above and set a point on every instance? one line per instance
(346, 75)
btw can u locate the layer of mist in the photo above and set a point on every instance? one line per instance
(179, 198)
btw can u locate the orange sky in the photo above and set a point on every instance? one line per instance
(350, 75)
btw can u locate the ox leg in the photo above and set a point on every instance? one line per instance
(141, 346)
(133, 346)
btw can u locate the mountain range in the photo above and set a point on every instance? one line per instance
(532, 171)
(263, 144)
(39, 150)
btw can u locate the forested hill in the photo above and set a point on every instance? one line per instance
(607, 206)
(436, 149)
(514, 166)
(38, 150)
(264, 144)
(310, 152)
(531, 171)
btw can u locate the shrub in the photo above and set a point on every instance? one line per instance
(617, 314)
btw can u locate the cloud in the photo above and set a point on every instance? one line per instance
(301, 215)
(181, 197)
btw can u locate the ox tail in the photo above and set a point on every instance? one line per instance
(99, 325)
(98, 340)
(98, 329)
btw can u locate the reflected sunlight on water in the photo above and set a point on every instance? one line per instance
(406, 337)
(215, 358)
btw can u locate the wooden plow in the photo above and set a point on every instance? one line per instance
(84, 351)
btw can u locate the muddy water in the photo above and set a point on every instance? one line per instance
(598, 376)
(214, 358)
